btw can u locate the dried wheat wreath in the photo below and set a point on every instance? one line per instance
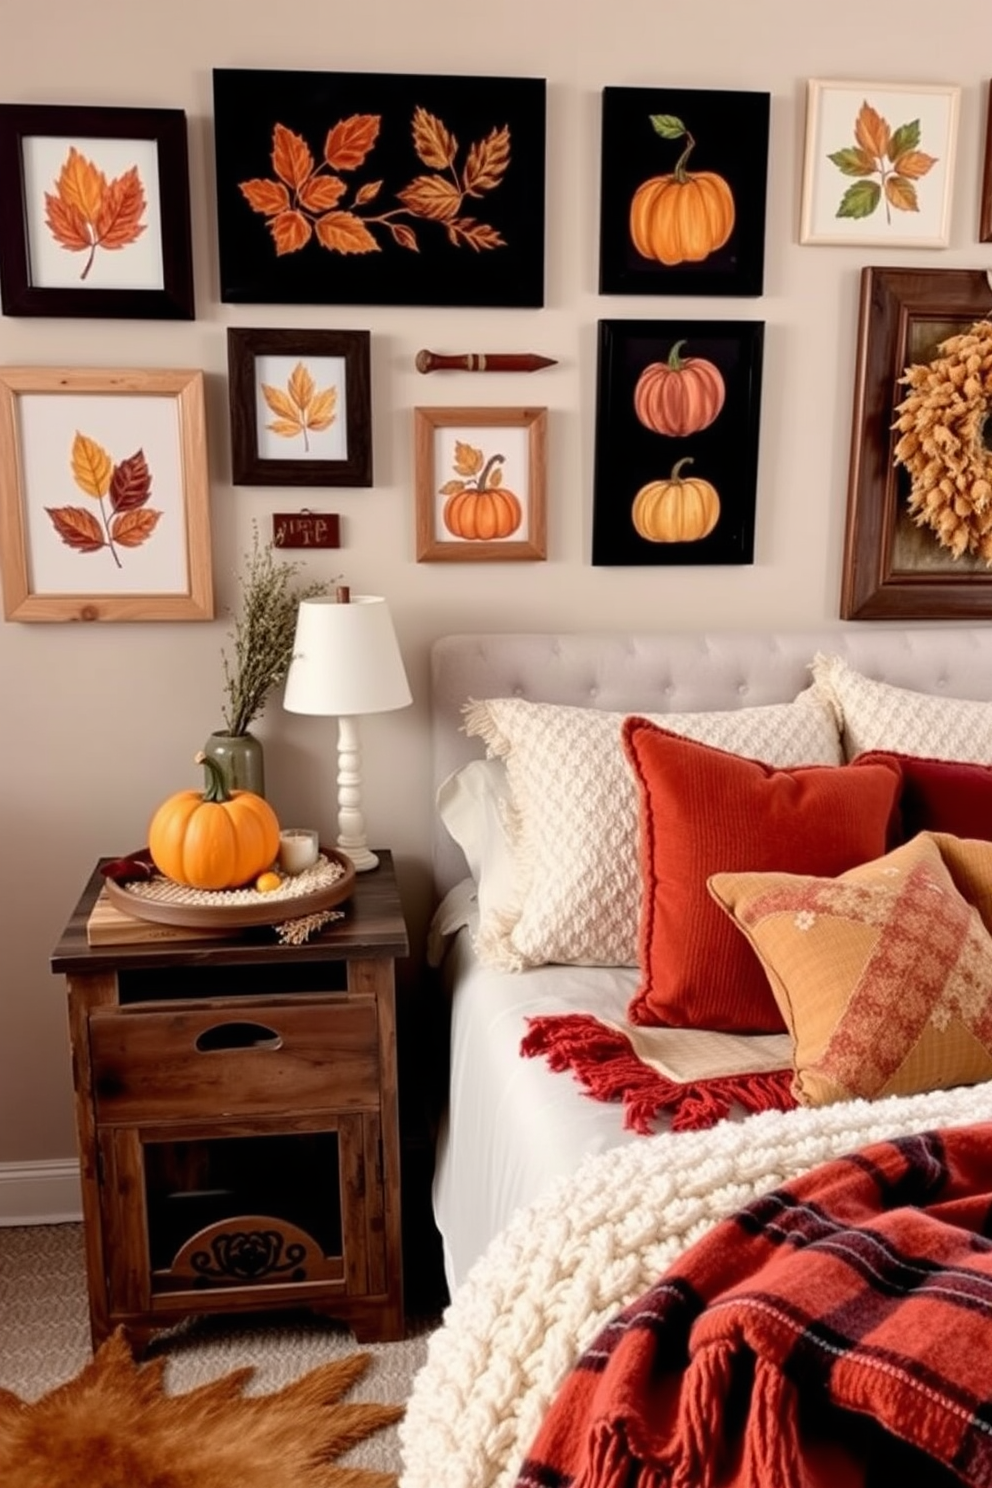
(942, 424)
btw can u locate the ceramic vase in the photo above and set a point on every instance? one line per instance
(240, 758)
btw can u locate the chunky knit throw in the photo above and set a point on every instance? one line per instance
(594, 1242)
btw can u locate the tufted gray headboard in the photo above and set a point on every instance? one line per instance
(677, 672)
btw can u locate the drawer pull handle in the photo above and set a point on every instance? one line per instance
(238, 1036)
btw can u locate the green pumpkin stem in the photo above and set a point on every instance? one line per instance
(677, 467)
(215, 789)
(675, 362)
(681, 172)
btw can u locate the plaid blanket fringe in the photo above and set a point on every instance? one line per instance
(605, 1064)
(837, 1330)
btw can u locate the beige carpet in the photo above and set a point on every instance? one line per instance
(44, 1338)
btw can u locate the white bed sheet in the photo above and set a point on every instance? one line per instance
(513, 1124)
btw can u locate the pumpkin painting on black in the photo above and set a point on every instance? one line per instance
(683, 191)
(677, 419)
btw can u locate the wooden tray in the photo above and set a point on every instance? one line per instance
(329, 882)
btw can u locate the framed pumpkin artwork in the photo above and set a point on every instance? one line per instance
(918, 537)
(94, 212)
(480, 484)
(683, 191)
(379, 188)
(677, 423)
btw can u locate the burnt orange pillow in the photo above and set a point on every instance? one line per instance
(705, 811)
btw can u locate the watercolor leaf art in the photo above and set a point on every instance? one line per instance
(123, 518)
(302, 407)
(886, 164)
(307, 200)
(87, 212)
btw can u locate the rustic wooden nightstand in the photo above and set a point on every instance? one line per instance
(236, 1112)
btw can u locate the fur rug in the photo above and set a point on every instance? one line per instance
(113, 1426)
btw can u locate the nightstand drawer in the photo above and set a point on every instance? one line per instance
(234, 1060)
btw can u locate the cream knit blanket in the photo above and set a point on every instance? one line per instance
(591, 1244)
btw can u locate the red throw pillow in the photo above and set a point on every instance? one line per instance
(940, 795)
(705, 811)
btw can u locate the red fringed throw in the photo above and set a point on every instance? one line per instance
(836, 1331)
(603, 1060)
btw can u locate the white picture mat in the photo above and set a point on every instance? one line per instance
(47, 424)
(510, 442)
(832, 111)
(324, 444)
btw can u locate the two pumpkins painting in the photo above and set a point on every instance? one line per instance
(678, 218)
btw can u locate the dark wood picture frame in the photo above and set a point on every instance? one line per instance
(892, 571)
(707, 433)
(379, 188)
(465, 453)
(662, 146)
(303, 464)
(23, 206)
(985, 214)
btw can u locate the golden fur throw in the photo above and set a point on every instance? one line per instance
(113, 1426)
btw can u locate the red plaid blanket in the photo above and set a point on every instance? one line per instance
(836, 1331)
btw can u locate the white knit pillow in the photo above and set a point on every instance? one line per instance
(573, 816)
(876, 715)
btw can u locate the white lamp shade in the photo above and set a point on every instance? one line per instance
(346, 659)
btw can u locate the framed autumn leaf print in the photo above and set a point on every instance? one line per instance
(300, 408)
(379, 188)
(879, 163)
(683, 189)
(94, 212)
(480, 482)
(104, 495)
(678, 406)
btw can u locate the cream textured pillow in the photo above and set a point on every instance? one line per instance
(876, 715)
(573, 816)
(884, 973)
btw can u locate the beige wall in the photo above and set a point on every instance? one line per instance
(100, 723)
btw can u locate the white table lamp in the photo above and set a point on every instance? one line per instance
(346, 661)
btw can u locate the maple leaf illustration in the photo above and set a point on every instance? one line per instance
(87, 212)
(305, 199)
(893, 156)
(126, 521)
(301, 407)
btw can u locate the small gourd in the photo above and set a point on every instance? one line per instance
(680, 396)
(685, 216)
(213, 839)
(677, 509)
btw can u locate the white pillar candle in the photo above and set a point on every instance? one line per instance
(298, 849)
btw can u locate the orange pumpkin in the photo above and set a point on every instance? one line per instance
(676, 510)
(213, 839)
(679, 397)
(481, 510)
(685, 216)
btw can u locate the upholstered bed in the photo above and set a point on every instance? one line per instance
(553, 1211)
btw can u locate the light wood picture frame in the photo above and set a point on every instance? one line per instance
(480, 484)
(104, 495)
(878, 165)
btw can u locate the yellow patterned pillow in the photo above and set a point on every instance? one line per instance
(884, 974)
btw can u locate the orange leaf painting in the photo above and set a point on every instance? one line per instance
(301, 407)
(884, 163)
(87, 212)
(126, 486)
(308, 199)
